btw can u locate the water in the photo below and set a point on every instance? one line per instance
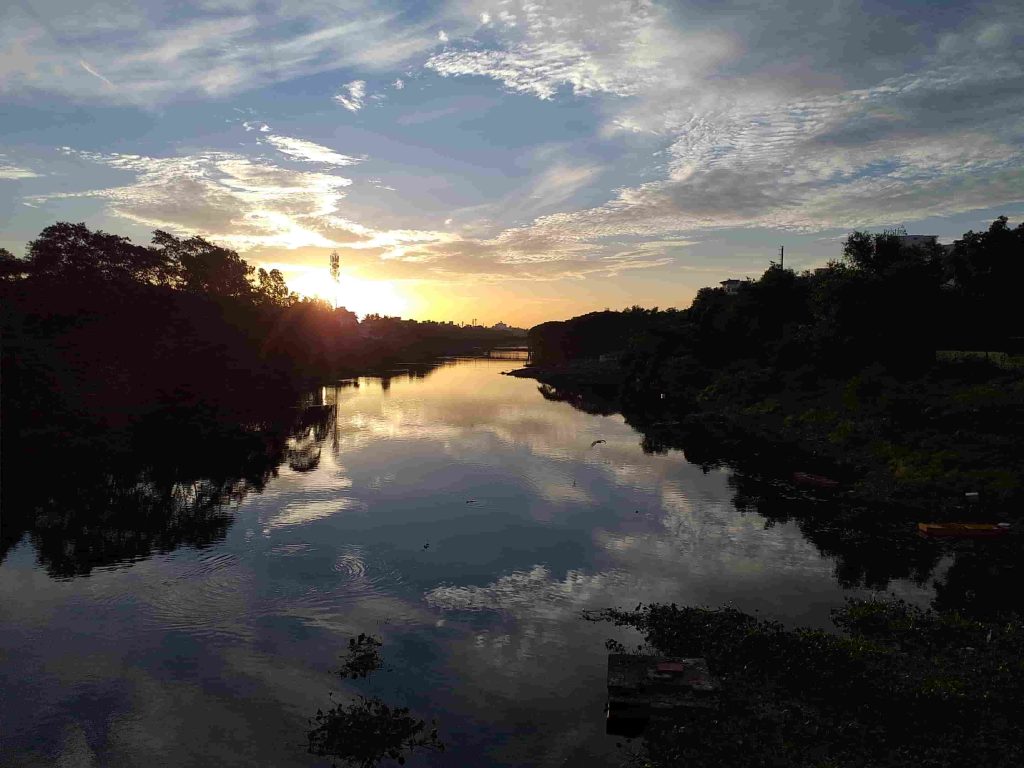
(459, 516)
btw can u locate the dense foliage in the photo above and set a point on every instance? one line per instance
(97, 327)
(884, 301)
(849, 366)
(899, 687)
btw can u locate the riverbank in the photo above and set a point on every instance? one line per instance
(916, 444)
(897, 686)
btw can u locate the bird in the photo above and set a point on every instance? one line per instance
(596, 442)
(427, 545)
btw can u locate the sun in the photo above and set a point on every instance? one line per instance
(364, 297)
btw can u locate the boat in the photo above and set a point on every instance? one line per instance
(817, 481)
(963, 530)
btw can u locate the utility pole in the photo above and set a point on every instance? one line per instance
(782, 257)
(335, 266)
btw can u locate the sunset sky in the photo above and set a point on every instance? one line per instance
(513, 161)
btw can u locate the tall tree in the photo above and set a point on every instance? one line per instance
(73, 250)
(273, 288)
(206, 268)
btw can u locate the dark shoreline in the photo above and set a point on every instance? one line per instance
(770, 443)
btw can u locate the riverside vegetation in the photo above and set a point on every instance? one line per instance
(164, 376)
(897, 371)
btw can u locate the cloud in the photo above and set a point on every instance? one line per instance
(94, 73)
(307, 151)
(247, 203)
(12, 172)
(155, 54)
(863, 118)
(254, 205)
(611, 47)
(221, 195)
(354, 96)
(562, 180)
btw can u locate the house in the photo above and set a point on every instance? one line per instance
(732, 286)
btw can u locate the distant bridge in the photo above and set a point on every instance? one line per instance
(507, 352)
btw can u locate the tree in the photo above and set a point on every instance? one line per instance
(203, 267)
(985, 270)
(872, 252)
(11, 267)
(274, 289)
(73, 250)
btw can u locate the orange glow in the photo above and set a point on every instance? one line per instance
(354, 293)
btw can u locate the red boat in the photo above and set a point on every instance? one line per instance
(816, 481)
(964, 530)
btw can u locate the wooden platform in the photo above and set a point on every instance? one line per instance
(642, 687)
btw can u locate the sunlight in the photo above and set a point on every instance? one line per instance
(364, 297)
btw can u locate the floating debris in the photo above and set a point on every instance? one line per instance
(963, 530)
(815, 481)
(596, 442)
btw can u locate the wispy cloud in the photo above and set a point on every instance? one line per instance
(247, 203)
(154, 55)
(762, 128)
(354, 96)
(94, 73)
(307, 151)
(11, 172)
(223, 195)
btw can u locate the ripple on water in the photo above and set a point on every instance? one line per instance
(288, 550)
(205, 597)
(356, 576)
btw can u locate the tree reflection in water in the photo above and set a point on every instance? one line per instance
(365, 731)
(98, 499)
(871, 546)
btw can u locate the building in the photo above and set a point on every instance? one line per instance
(732, 286)
(918, 241)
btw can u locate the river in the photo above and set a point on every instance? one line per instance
(456, 514)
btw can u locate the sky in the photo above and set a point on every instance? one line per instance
(511, 161)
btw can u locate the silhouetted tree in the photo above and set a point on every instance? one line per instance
(203, 267)
(274, 289)
(73, 251)
(11, 267)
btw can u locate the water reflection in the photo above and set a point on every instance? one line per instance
(872, 549)
(456, 513)
(164, 482)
